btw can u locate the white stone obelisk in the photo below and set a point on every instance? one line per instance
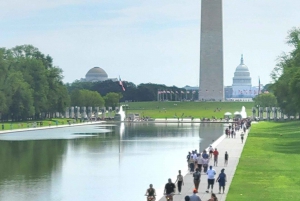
(211, 86)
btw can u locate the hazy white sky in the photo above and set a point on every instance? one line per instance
(153, 41)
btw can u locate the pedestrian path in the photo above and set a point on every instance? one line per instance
(234, 148)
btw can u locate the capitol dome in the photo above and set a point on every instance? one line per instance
(96, 74)
(242, 75)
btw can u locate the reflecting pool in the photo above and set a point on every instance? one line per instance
(97, 162)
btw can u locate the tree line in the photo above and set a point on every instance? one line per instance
(286, 76)
(30, 84)
(141, 92)
(31, 87)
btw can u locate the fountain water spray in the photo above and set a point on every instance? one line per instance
(243, 112)
(122, 113)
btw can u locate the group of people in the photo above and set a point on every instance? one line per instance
(198, 163)
(201, 161)
(239, 126)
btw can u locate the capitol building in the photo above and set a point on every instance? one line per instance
(241, 84)
(96, 74)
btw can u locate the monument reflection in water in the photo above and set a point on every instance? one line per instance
(97, 162)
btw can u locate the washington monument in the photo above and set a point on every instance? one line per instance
(211, 86)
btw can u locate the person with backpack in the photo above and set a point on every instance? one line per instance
(197, 176)
(222, 180)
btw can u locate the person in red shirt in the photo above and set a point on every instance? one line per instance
(216, 154)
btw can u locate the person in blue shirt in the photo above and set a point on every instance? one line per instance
(222, 180)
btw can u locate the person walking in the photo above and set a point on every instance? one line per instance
(179, 181)
(222, 180)
(216, 154)
(213, 197)
(210, 178)
(169, 189)
(150, 193)
(197, 176)
(199, 162)
(226, 159)
(192, 164)
(195, 156)
(211, 150)
(242, 137)
(195, 197)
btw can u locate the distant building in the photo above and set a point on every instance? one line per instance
(96, 74)
(241, 84)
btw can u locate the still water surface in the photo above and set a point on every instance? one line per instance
(96, 162)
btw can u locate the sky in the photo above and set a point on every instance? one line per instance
(148, 41)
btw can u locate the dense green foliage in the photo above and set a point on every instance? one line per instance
(86, 98)
(286, 76)
(142, 92)
(265, 100)
(269, 166)
(187, 109)
(112, 99)
(30, 85)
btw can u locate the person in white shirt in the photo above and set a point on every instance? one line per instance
(195, 159)
(210, 178)
(199, 162)
(211, 151)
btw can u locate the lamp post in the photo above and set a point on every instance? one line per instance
(257, 110)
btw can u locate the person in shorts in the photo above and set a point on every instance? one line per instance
(199, 162)
(211, 151)
(222, 180)
(216, 155)
(210, 178)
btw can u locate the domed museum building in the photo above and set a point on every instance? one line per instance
(241, 84)
(96, 74)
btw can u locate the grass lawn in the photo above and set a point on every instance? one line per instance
(189, 109)
(19, 125)
(269, 168)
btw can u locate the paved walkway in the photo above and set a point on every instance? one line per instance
(234, 147)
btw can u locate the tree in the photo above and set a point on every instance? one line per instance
(86, 98)
(29, 80)
(265, 100)
(286, 76)
(112, 99)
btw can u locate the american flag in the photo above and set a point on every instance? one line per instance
(168, 92)
(172, 92)
(121, 84)
(177, 92)
(194, 92)
(187, 92)
(182, 92)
